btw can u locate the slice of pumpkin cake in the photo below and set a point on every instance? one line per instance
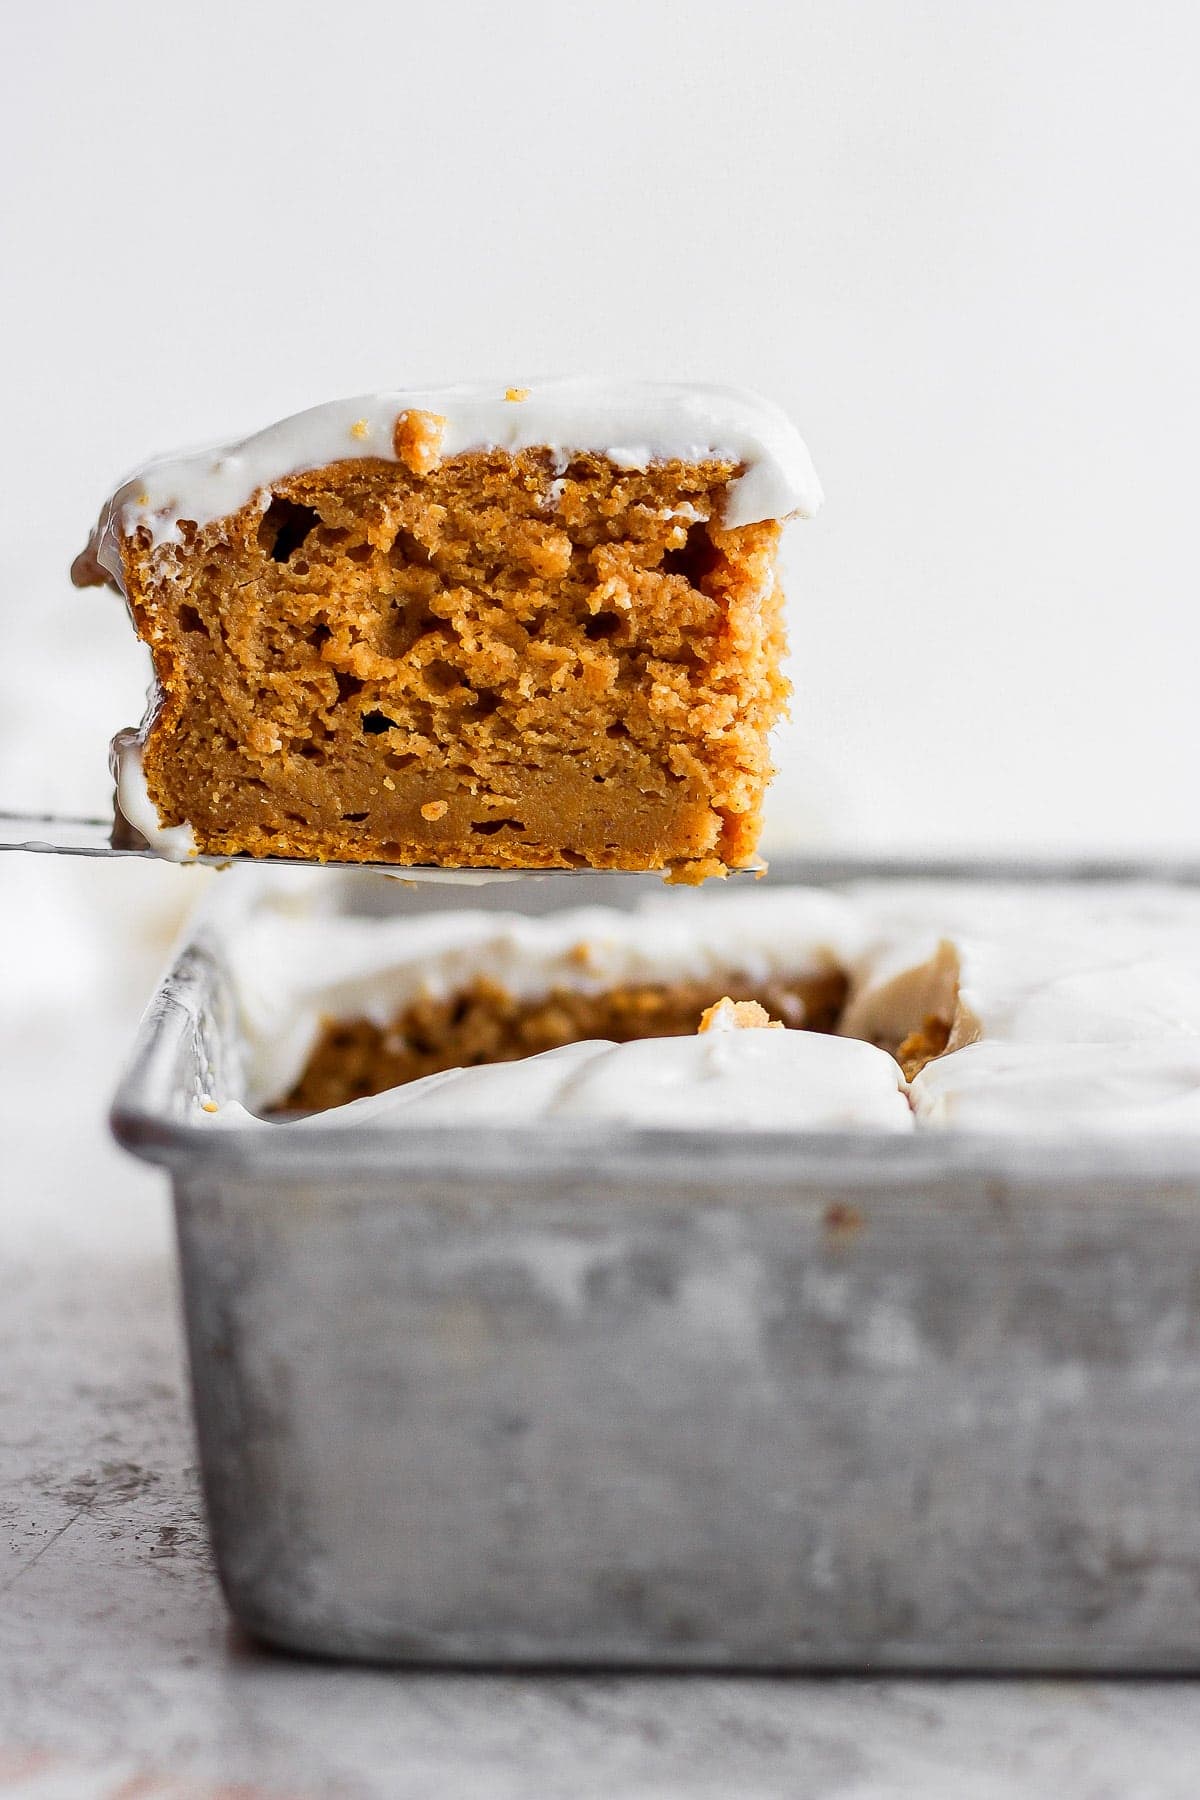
(525, 628)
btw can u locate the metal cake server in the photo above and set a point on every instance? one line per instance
(56, 834)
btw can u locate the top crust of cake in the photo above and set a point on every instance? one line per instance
(634, 424)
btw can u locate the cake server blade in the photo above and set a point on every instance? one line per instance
(56, 834)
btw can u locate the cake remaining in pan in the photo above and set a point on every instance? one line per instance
(526, 628)
(1013, 1010)
(336, 1008)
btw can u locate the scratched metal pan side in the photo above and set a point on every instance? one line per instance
(952, 1430)
(789, 1404)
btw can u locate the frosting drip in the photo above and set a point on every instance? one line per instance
(174, 843)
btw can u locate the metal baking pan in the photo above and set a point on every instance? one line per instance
(564, 1396)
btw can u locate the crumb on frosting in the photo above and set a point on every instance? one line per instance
(417, 441)
(359, 429)
(737, 1015)
(516, 393)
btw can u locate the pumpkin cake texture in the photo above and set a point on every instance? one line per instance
(522, 628)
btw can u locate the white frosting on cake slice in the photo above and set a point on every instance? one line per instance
(174, 843)
(634, 423)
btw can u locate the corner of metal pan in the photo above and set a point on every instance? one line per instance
(179, 1054)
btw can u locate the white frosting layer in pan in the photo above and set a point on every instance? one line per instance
(1074, 1011)
(721, 1081)
(1071, 1009)
(295, 972)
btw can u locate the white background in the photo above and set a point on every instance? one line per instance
(958, 241)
